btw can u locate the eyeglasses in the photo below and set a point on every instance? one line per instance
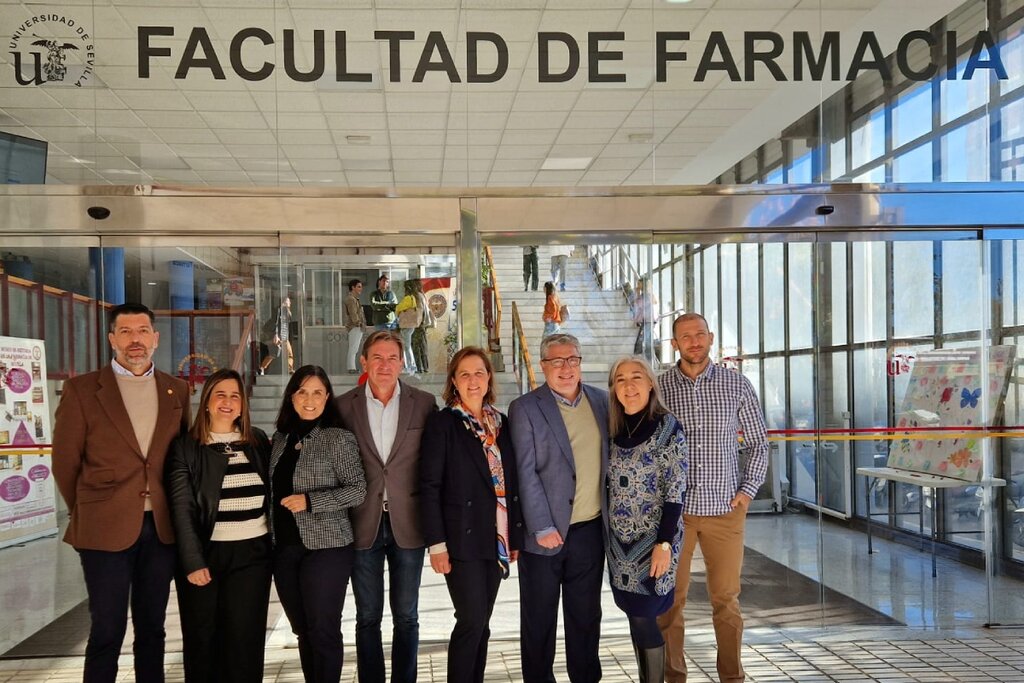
(571, 361)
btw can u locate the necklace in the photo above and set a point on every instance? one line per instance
(631, 431)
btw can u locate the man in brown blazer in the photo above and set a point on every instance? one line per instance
(113, 428)
(387, 417)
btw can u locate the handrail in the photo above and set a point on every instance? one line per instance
(494, 322)
(521, 354)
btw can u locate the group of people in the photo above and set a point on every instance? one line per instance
(574, 480)
(560, 254)
(411, 316)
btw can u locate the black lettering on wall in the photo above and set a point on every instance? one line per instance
(435, 43)
(235, 54)
(716, 43)
(595, 55)
(145, 50)
(767, 57)
(190, 60)
(804, 50)
(903, 56)
(868, 43)
(662, 54)
(984, 42)
(473, 40)
(341, 72)
(544, 40)
(318, 57)
(394, 39)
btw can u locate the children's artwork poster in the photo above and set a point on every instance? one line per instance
(239, 292)
(947, 397)
(27, 495)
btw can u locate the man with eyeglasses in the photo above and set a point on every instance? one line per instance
(560, 432)
(713, 405)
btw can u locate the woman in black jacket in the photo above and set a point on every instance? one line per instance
(469, 497)
(217, 478)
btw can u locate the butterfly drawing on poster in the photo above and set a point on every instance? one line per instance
(969, 398)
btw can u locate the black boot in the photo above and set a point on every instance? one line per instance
(650, 664)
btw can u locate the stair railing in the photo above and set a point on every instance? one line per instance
(492, 302)
(522, 364)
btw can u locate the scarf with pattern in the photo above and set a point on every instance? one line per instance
(487, 432)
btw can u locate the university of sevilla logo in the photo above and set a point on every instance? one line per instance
(52, 48)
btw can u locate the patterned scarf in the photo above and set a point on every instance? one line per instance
(488, 435)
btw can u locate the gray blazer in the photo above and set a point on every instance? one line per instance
(400, 475)
(330, 473)
(547, 471)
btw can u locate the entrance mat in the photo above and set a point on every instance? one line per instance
(775, 596)
(66, 636)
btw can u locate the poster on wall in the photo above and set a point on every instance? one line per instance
(947, 399)
(27, 495)
(239, 292)
(440, 295)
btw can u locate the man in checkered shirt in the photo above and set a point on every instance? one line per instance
(712, 404)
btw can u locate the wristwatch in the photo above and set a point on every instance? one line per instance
(665, 545)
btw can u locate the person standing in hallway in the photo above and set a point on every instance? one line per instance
(355, 323)
(646, 481)
(316, 478)
(112, 433)
(470, 502)
(713, 405)
(530, 267)
(552, 315)
(282, 335)
(387, 417)
(560, 254)
(560, 435)
(420, 351)
(383, 302)
(217, 478)
(644, 308)
(410, 315)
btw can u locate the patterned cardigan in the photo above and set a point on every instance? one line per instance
(330, 473)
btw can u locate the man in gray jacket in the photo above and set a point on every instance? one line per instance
(560, 433)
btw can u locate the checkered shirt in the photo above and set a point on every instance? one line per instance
(712, 410)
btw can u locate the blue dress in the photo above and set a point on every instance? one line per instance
(645, 485)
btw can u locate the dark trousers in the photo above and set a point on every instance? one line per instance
(577, 573)
(223, 624)
(405, 567)
(473, 586)
(140, 576)
(419, 349)
(311, 585)
(530, 271)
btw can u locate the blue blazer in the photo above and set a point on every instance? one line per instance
(547, 471)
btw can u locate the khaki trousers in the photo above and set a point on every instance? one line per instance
(721, 543)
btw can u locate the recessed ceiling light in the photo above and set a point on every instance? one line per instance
(566, 164)
(151, 284)
(357, 139)
(678, 2)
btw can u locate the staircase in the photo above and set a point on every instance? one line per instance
(600, 319)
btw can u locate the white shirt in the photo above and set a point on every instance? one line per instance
(122, 370)
(383, 420)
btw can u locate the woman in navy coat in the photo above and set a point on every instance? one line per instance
(469, 497)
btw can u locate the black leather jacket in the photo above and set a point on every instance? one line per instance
(194, 476)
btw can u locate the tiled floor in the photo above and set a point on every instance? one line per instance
(999, 657)
(933, 629)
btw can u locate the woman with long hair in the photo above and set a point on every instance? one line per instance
(316, 477)
(645, 485)
(410, 315)
(469, 496)
(217, 479)
(552, 315)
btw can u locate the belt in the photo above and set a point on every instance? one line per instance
(577, 525)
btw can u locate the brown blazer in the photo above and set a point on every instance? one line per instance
(401, 475)
(99, 467)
